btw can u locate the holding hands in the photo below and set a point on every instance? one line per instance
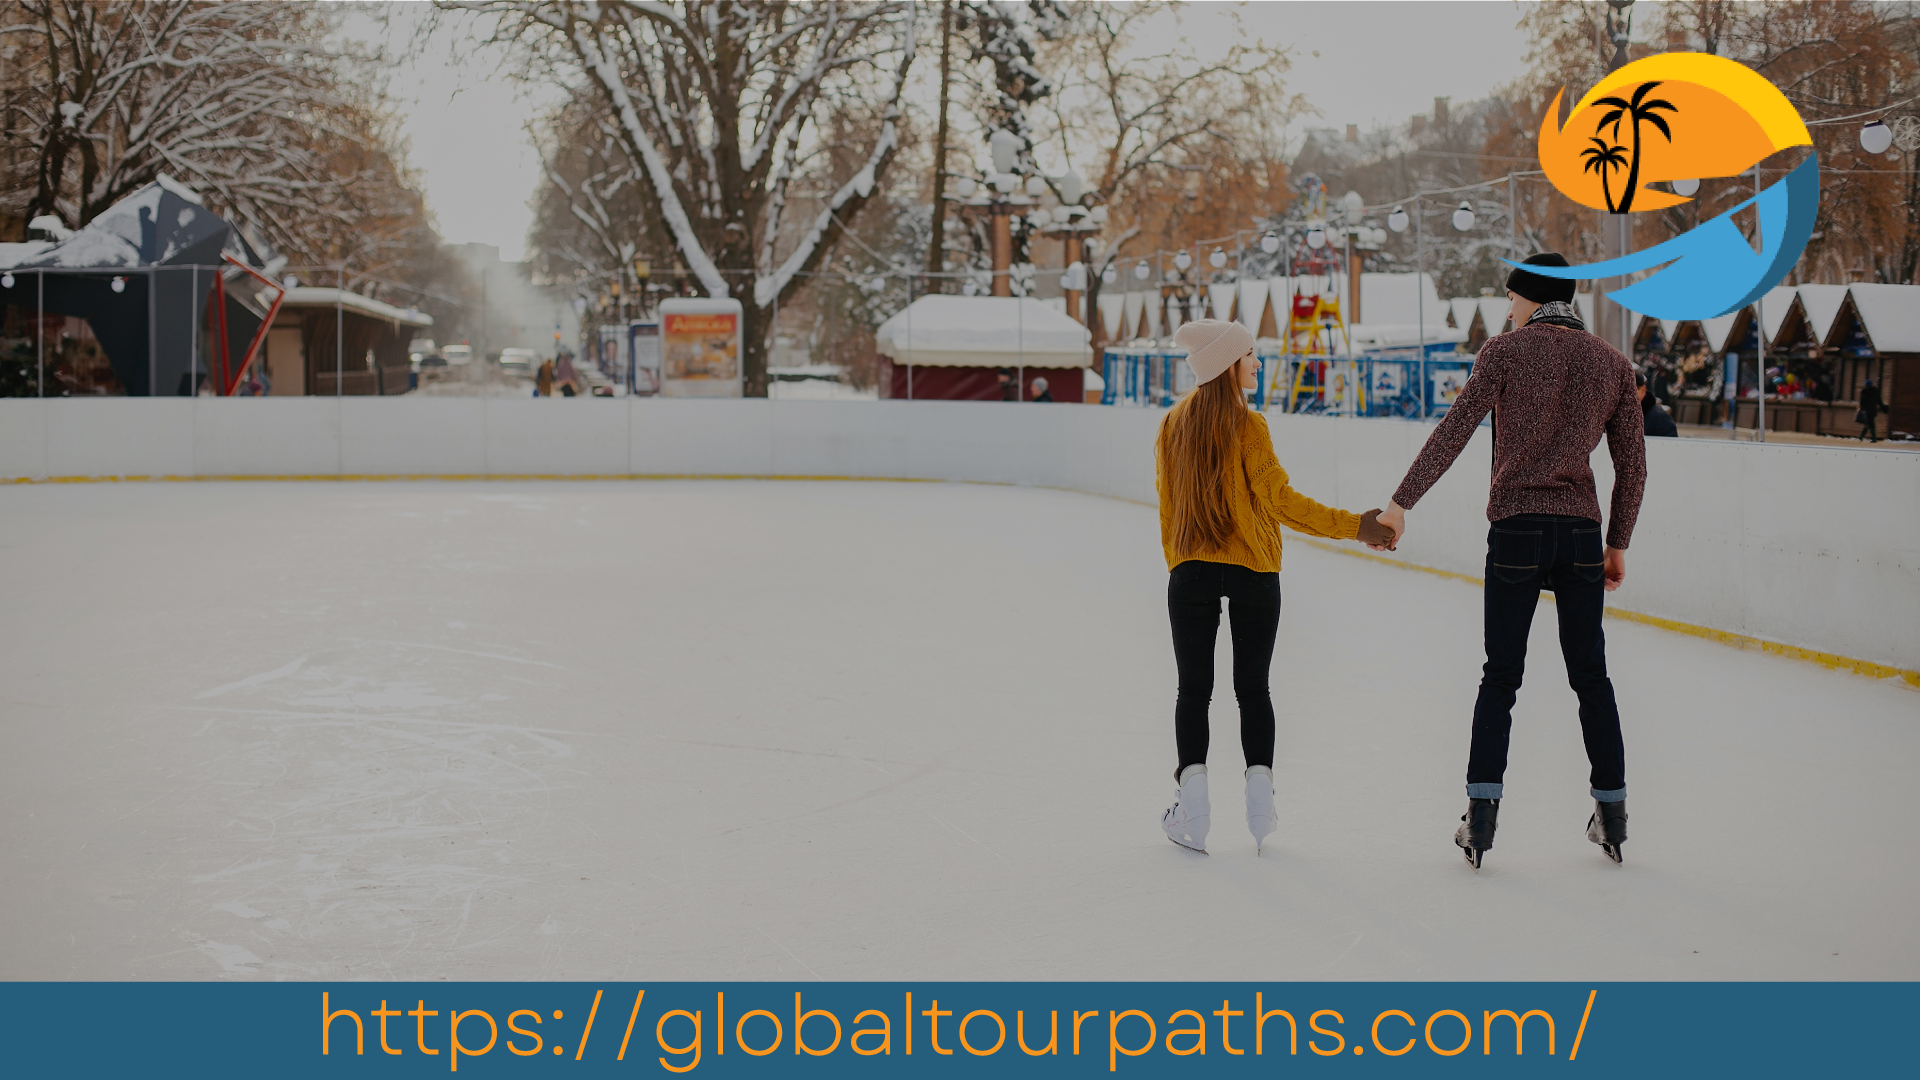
(1382, 530)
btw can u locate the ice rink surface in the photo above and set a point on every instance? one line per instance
(765, 730)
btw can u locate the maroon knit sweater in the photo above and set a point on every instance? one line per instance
(1553, 391)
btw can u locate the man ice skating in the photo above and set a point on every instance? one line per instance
(1553, 389)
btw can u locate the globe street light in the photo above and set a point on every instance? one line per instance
(1182, 261)
(1108, 276)
(1876, 137)
(1316, 238)
(1355, 205)
(1397, 221)
(1218, 259)
(1071, 188)
(1141, 270)
(1463, 217)
(1270, 243)
(1005, 146)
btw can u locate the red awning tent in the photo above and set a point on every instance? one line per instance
(956, 347)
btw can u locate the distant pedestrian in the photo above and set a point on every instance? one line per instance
(1869, 411)
(1040, 392)
(566, 376)
(1655, 418)
(543, 382)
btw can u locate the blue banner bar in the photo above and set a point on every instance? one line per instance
(959, 1029)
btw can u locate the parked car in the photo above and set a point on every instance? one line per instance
(457, 354)
(421, 352)
(520, 362)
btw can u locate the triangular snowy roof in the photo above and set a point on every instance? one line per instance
(1717, 328)
(1773, 309)
(162, 224)
(1821, 303)
(1253, 303)
(1112, 306)
(983, 331)
(1494, 312)
(1463, 309)
(1890, 314)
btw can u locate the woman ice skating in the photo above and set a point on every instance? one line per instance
(1554, 389)
(1223, 498)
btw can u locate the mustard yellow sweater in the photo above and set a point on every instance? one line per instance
(1262, 501)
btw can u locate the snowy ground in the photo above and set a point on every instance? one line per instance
(747, 730)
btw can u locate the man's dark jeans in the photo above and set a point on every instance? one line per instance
(1525, 554)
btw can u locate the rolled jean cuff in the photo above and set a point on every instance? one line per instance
(1609, 796)
(1489, 791)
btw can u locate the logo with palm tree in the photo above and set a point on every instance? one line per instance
(1635, 112)
(1715, 117)
(1603, 159)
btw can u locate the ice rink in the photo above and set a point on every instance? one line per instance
(786, 730)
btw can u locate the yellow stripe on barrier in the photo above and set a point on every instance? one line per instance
(1868, 668)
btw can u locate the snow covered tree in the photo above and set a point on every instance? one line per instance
(251, 104)
(213, 93)
(712, 105)
(593, 215)
(1153, 118)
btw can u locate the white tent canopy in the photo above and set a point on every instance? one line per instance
(983, 331)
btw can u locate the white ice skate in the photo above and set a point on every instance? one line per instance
(1186, 820)
(1259, 805)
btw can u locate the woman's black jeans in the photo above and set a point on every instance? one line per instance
(1525, 554)
(1194, 590)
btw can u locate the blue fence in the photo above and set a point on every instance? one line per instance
(1398, 382)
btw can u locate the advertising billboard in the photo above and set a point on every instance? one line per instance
(701, 348)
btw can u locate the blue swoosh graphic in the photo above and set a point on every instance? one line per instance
(1714, 267)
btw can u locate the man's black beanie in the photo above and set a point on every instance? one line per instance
(1539, 288)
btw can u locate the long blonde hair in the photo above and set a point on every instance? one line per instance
(1197, 447)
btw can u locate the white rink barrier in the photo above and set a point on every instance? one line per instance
(1812, 548)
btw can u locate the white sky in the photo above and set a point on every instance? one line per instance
(1364, 63)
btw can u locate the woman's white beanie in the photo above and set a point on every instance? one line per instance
(1212, 346)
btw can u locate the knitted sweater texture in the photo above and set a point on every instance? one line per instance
(1261, 501)
(1553, 393)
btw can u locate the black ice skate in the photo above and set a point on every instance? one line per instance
(1475, 837)
(1608, 827)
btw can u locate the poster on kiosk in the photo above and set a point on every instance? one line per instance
(701, 348)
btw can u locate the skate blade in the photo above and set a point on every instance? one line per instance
(1184, 844)
(1612, 851)
(1473, 856)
